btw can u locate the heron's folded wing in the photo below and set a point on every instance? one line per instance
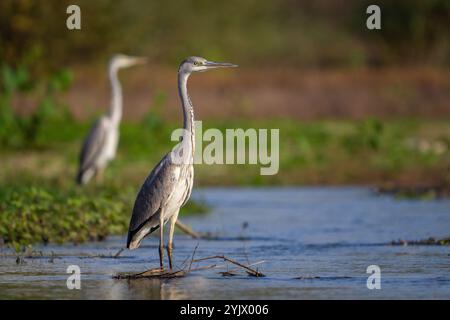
(189, 181)
(155, 191)
(93, 144)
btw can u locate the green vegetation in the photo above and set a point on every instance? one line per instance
(24, 131)
(44, 213)
(367, 151)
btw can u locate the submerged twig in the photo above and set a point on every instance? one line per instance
(118, 253)
(151, 273)
(188, 230)
(110, 255)
(212, 266)
(307, 277)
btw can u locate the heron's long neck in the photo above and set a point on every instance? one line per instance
(115, 110)
(188, 113)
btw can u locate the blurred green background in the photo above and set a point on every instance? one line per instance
(342, 95)
(354, 106)
(325, 34)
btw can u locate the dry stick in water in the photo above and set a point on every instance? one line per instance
(230, 272)
(158, 273)
(188, 230)
(161, 273)
(118, 253)
(192, 259)
(249, 270)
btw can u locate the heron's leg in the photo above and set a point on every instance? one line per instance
(173, 220)
(161, 240)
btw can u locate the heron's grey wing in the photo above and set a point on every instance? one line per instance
(152, 196)
(93, 145)
(190, 180)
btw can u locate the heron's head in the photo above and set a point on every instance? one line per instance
(198, 64)
(120, 61)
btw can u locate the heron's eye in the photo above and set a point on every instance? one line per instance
(197, 63)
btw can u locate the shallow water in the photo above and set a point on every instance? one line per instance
(328, 235)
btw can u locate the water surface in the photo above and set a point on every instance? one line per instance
(328, 236)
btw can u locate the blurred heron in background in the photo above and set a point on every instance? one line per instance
(100, 145)
(169, 185)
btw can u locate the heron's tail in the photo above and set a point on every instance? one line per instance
(132, 243)
(84, 176)
(135, 237)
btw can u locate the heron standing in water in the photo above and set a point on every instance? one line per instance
(169, 185)
(100, 145)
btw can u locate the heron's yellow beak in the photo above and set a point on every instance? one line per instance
(212, 65)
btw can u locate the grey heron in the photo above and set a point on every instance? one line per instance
(100, 145)
(169, 185)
